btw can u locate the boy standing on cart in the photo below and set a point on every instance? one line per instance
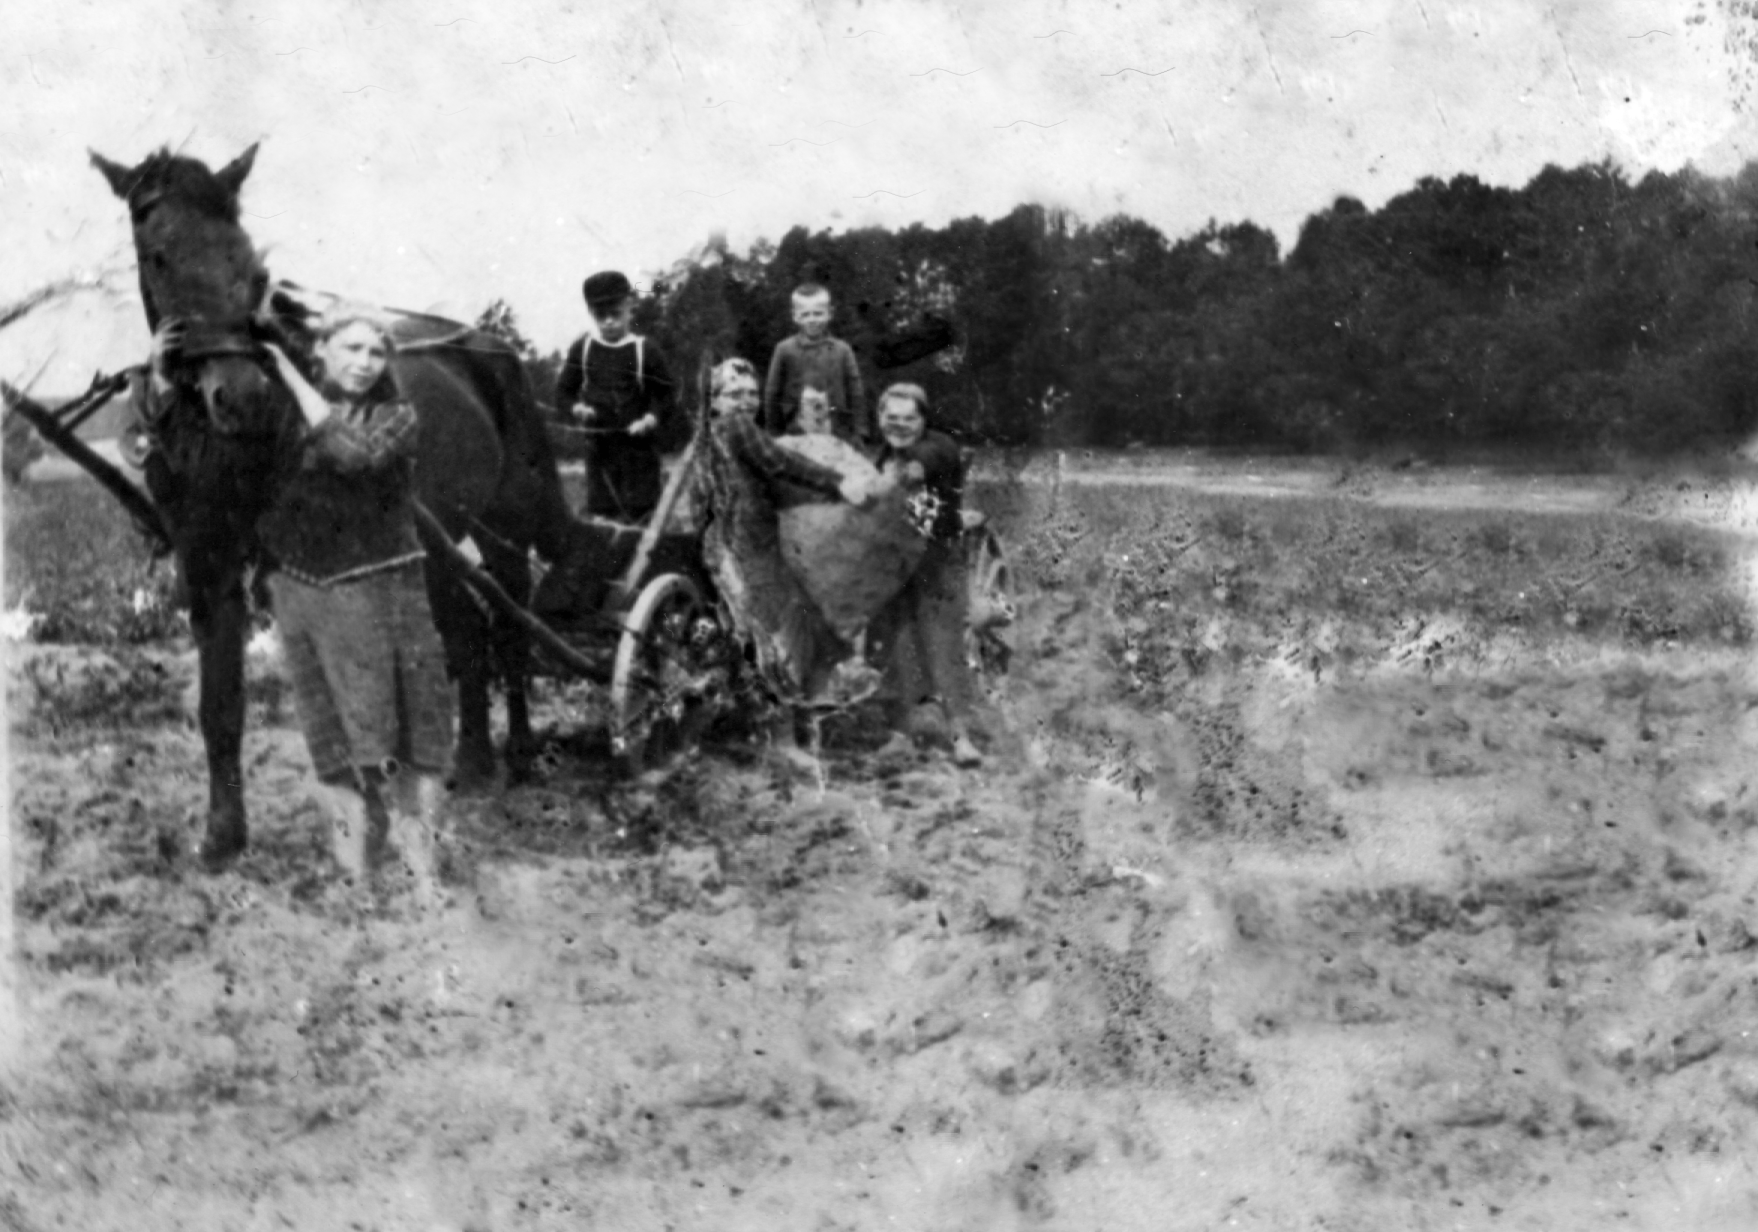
(812, 360)
(616, 388)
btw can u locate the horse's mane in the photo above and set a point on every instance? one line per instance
(188, 180)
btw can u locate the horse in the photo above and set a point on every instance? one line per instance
(485, 467)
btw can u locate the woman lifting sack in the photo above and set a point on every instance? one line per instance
(745, 481)
(919, 637)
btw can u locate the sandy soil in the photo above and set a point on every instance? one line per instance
(1417, 945)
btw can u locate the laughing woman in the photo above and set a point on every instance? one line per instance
(920, 636)
(746, 479)
(350, 599)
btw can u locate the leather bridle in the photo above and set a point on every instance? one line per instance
(227, 345)
(204, 346)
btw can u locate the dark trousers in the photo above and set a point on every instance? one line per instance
(919, 636)
(623, 479)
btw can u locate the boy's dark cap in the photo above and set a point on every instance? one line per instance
(606, 289)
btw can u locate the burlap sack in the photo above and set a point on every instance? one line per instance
(852, 561)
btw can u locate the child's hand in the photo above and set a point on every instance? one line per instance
(644, 425)
(283, 365)
(168, 342)
(905, 474)
(167, 349)
(311, 403)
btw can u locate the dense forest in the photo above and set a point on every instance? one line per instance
(1581, 313)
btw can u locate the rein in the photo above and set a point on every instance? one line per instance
(202, 343)
(202, 347)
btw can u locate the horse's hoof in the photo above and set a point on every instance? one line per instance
(219, 850)
(467, 780)
(474, 765)
(522, 763)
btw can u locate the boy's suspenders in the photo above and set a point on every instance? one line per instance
(640, 361)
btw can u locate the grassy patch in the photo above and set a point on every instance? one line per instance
(1211, 573)
(75, 561)
(77, 691)
(1195, 580)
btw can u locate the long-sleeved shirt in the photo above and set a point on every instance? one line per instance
(827, 364)
(785, 472)
(348, 507)
(621, 381)
(939, 500)
(346, 500)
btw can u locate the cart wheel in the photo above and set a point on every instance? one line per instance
(668, 678)
(992, 608)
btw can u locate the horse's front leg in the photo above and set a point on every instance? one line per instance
(219, 616)
(512, 655)
(464, 629)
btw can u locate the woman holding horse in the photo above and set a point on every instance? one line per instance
(366, 661)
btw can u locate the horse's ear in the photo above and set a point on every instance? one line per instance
(121, 178)
(231, 176)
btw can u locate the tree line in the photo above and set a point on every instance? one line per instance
(1581, 312)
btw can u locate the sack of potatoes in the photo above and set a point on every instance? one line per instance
(851, 559)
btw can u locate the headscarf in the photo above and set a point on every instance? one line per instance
(725, 370)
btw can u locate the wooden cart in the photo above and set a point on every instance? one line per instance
(657, 637)
(676, 661)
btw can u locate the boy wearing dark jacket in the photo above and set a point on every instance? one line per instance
(616, 387)
(813, 360)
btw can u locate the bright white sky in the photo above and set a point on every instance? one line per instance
(438, 154)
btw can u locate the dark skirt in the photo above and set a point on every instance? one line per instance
(919, 637)
(624, 478)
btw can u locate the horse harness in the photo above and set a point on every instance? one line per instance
(205, 347)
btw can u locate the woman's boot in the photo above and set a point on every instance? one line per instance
(965, 753)
(784, 741)
(417, 822)
(345, 808)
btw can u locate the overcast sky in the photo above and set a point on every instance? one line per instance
(437, 154)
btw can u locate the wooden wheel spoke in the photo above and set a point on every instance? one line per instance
(667, 680)
(992, 608)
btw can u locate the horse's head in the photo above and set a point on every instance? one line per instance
(197, 264)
